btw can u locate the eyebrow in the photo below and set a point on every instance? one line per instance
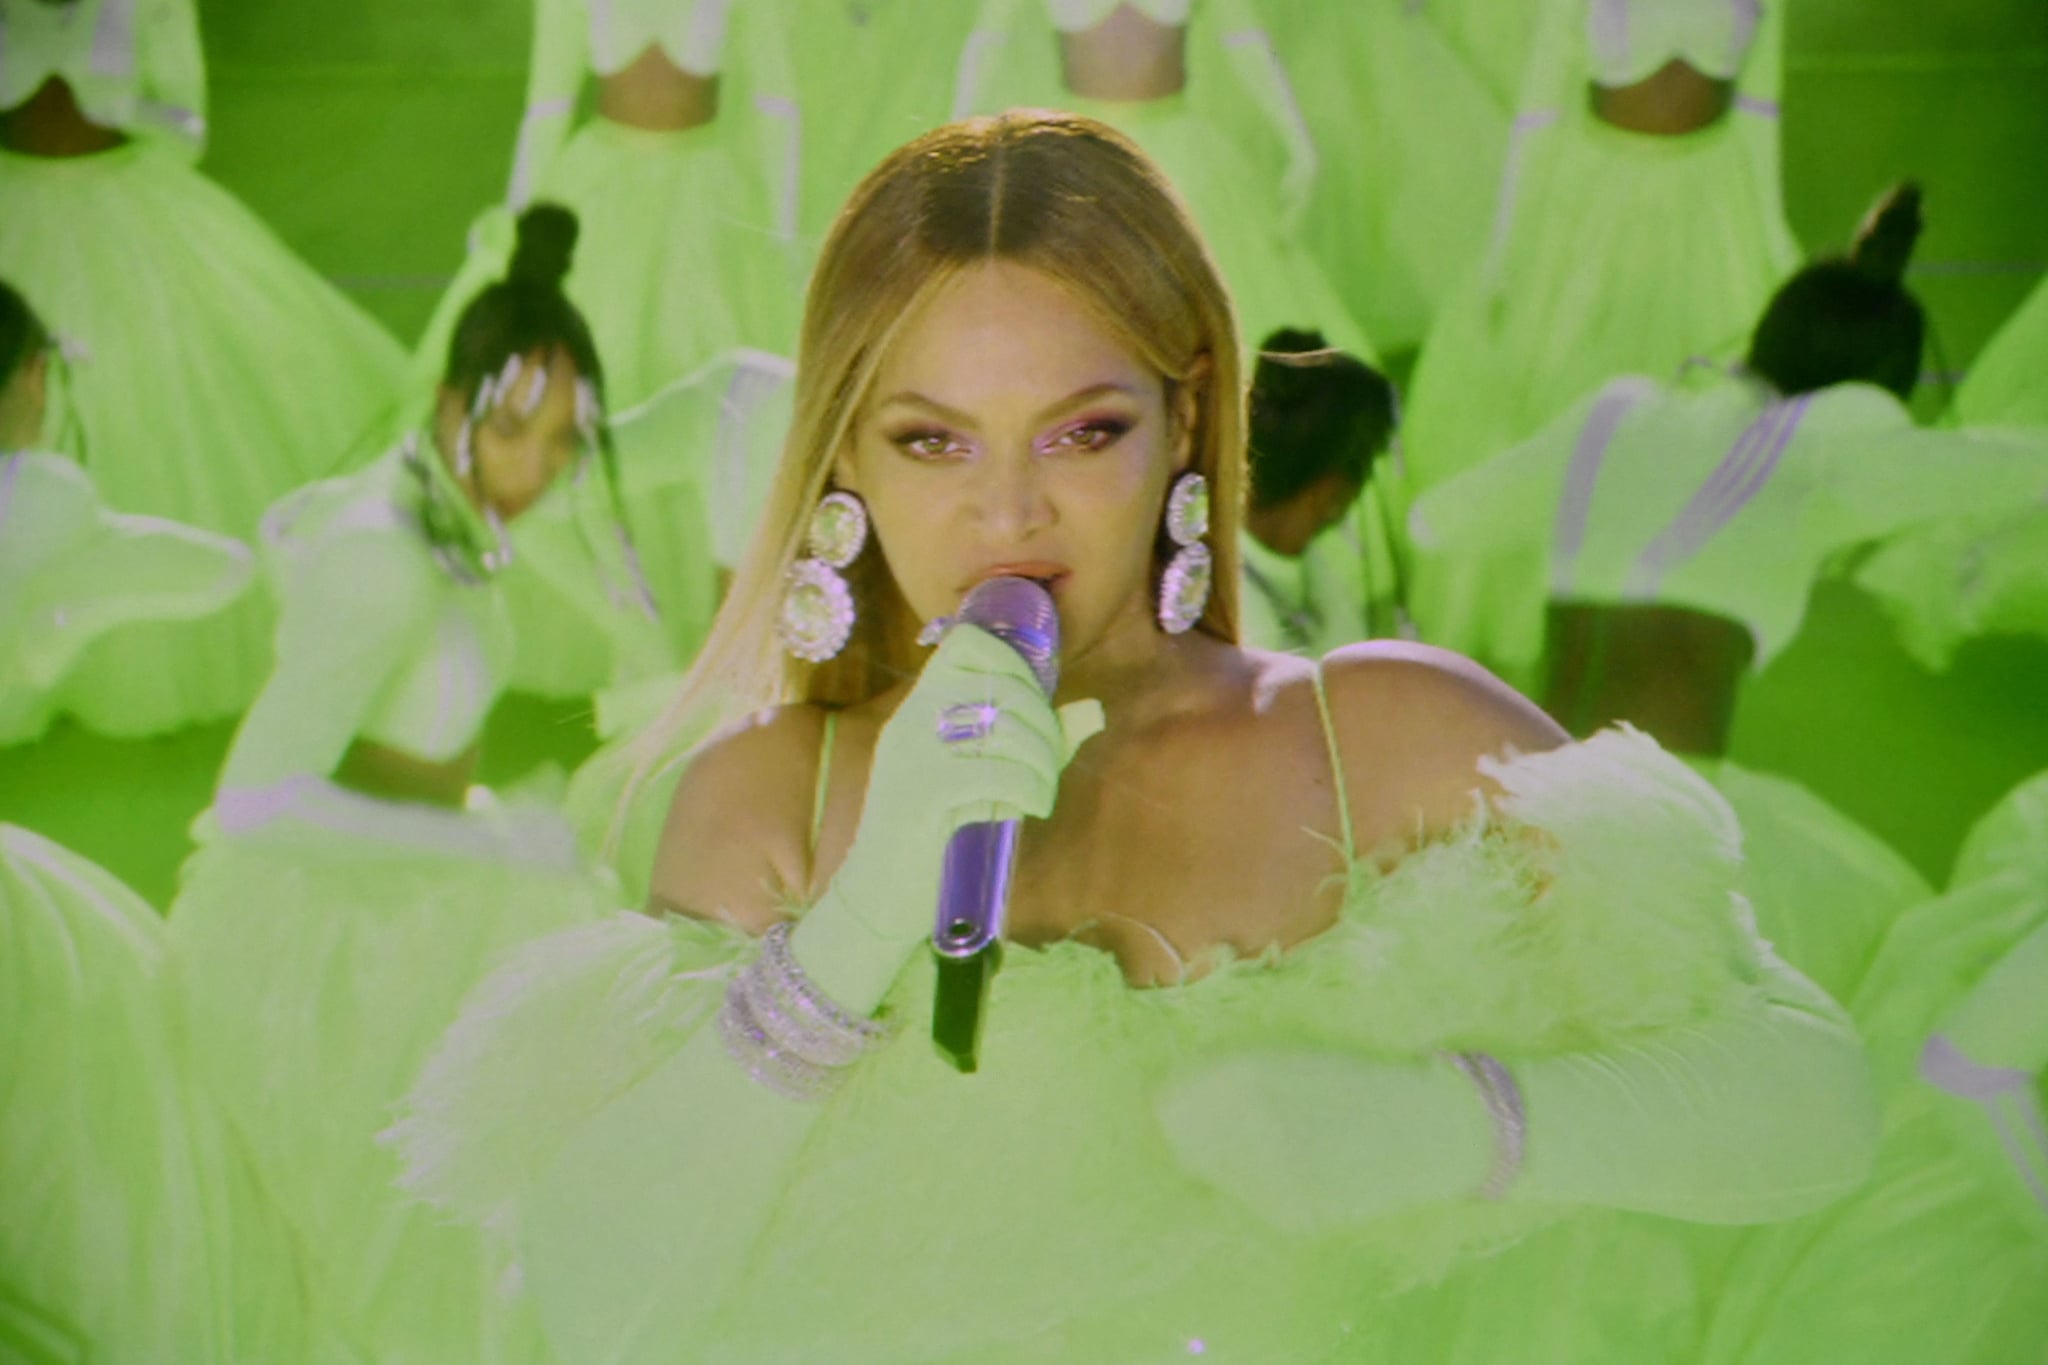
(1053, 409)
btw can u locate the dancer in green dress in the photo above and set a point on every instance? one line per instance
(352, 882)
(1650, 550)
(1640, 221)
(70, 570)
(1311, 990)
(685, 179)
(1201, 89)
(211, 370)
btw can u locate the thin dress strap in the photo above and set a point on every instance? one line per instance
(1336, 767)
(824, 783)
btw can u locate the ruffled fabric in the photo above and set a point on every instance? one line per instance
(1596, 903)
(1950, 582)
(71, 571)
(132, 1227)
(319, 955)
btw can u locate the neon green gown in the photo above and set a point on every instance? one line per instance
(1941, 1258)
(909, 46)
(663, 1208)
(688, 239)
(132, 1225)
(1233, 144)
(212, 369)
(120, 1196)
(1409, 140)
(323, 937)
(1612, 252)
(71, 572)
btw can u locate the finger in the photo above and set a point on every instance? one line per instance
(1019, 702)
(1014, 787)
(970, 649)
(1079, 722)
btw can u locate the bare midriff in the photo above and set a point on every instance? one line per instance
(1676, 100)
(654, 93)
(1128, 57)
(394, 775)
(50, 123)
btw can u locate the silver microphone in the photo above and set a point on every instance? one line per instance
(974, 881)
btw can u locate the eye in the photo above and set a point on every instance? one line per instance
(1100, 434)
(927, 443)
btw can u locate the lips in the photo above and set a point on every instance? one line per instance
(1042, 571)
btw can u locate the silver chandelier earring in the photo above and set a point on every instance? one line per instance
(1184, 586)
(817, 613)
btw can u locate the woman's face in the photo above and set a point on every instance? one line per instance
(523, 440)
(1009, 432)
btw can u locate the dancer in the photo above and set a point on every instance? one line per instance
(1640, 221)
(685, 180)
(1655, 547)
(1252, 922)
(352, 883)
(213, 370)
(1202, 91)
(71, 571)
(1320, 421)
(1724, 494)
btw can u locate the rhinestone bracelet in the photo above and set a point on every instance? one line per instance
(786, 1032)
(764, 1059)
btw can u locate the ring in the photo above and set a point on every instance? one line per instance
(966, 721)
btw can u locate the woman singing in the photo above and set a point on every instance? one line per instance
(1321, 976)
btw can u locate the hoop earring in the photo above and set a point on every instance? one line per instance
(1184, 586)
(817, 615)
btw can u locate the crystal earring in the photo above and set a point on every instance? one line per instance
(816, 618)
(1184, 587)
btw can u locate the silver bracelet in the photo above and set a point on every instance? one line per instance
(1503, 1099)
(813, 1023)
(764, 1058)
(785, 1032)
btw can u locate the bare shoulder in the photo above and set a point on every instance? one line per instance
(1412, 722)
(736, 842)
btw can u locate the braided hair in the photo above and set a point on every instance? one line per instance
(1850, 317)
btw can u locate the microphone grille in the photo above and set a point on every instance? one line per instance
(1020, 613)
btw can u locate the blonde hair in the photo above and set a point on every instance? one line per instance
(1059, 193)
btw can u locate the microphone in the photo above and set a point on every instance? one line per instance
(974, 881)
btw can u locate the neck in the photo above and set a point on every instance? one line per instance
(1275, 529)
(1135, 669)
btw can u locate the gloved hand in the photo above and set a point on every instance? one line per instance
(921, 788)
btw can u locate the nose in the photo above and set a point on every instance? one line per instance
(1014, 503)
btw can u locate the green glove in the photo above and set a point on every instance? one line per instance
(921, 788)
